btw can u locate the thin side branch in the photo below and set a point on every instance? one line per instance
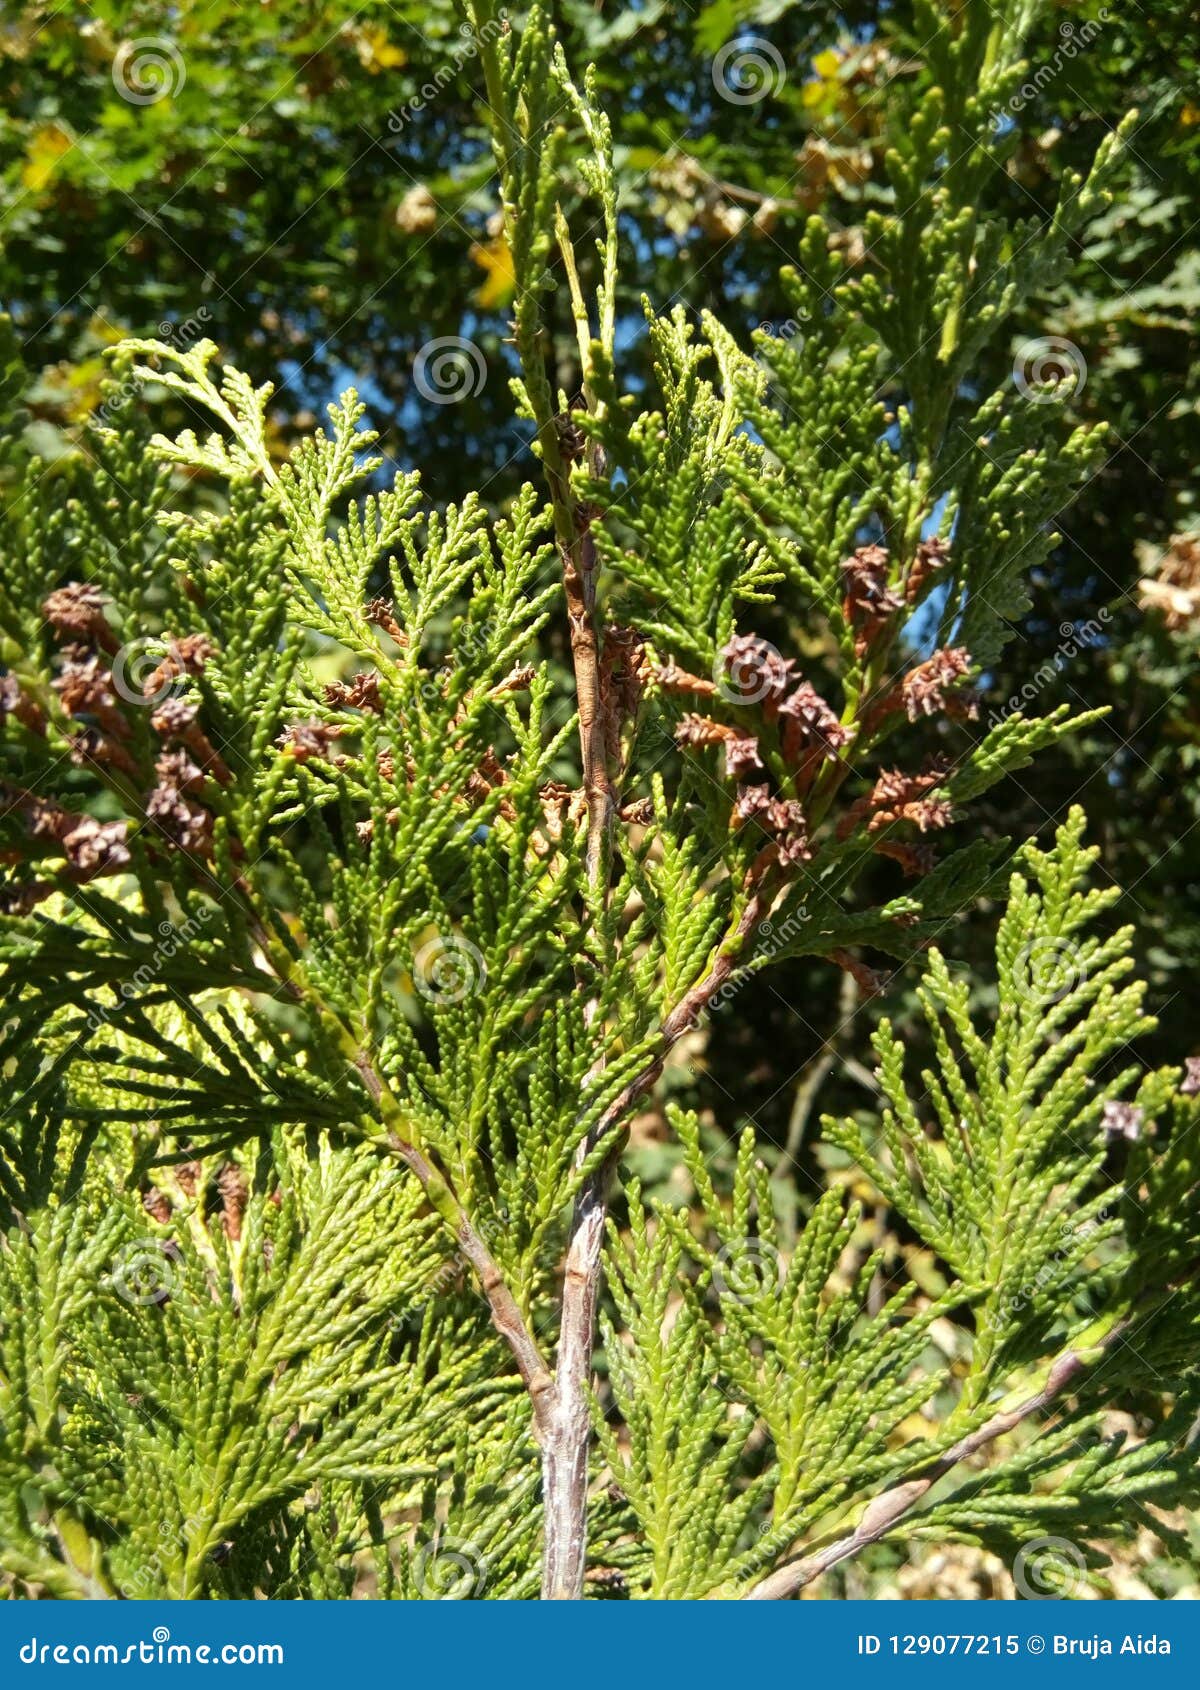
(884, 1511)
(506, 1314)
(403, 1142)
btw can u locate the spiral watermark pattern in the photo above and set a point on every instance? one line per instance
(136, 664)
(449, 369)
(1049, 368)
(450, 1569)
(1047, 969)
(1049, 1569)
(747, 675)
(789, 332)
(148, 69)
(145, 1272)
(748, 70)
(745, 1268)
(445, 971)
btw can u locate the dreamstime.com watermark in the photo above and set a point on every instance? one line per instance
(147, 1581)
(453, 1269)
(790, 332)
(1075, 637)
(1014, 1299)
(178, 335)
(445, 74)
(770, 937)
(1073, 39)
(157, 1651)
(170, 940)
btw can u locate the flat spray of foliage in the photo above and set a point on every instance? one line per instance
(328, 1007)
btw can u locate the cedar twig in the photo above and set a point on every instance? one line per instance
(402, 1141)
(506, 1314)
(884, 1511)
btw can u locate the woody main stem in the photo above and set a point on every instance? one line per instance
(565, 1450)
(564, 1423)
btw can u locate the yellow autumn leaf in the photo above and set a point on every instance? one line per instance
(47, 146)
(107, 333)
(827, 64)
(84, 389)
(500, 282)
(1190, 115)
(378, 53)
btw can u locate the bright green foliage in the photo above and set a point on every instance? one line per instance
(1000, 1165)
(335, 973)
(228, 1415)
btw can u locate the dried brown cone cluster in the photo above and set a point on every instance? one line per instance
(103, 739)
(360, 692)
(89, 848)
(624, 668)
(1174, 588)
(799, 741)
(870, 598)
(186, 656)
(800, 730)
(898, 797)
(229, 1189)
(930, 558)
(622, 678)
(935, 686)
(382, 614)
(302, 741)
(188, 757)
(870, 606)
(363, 692)
(869, 602)
(76, 614)
(84, 682)
(565, 811)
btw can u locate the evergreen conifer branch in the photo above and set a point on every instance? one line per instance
(341, 943)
